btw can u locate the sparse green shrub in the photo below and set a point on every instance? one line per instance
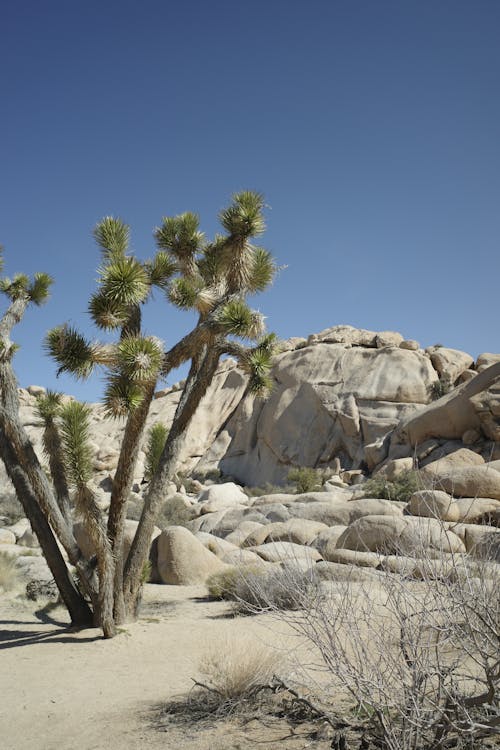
(306, 479)
(440, 388)
(174, 513)
(267, 489)
(224, 584)
(254, 588)
(157, 438)
(400, 489)
(10, 575)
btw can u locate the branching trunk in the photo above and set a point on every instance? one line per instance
(199, 378)
(25, 456)
(122, 485)
(78, 608)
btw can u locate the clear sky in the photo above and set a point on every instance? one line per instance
(371, 126)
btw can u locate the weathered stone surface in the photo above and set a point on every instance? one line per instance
(352, 557)
(467, 482)
(239, 535)
(215, 544)
(449, 461)
(7, 537)
(286, 551)
(328, 538)
(220, 496)
(28, 539)
(329, 401)
(182, 558)
(339, 572)
(434, 504)
(449, 363)
(473, 508)
(388, 534)
(19, 527)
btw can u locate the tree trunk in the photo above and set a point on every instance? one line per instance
(78, 608)
(22, 448)
(199, 378)
(96, 530)
(122, 485)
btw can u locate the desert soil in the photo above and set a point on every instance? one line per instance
(71, 690)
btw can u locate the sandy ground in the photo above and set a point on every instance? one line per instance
(67, 690)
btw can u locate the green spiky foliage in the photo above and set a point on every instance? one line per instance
(180, 236)
(262, 270)
(121, 396)
(160, 270)
(237, 319)
(75, 434)
(184, 292)
(157, 437)
(106, 313)
(139, 359)
(243, 218)
(71, 351)
(16, 287)
(48, 405)
(124, 281)
(39, 289)
(112, 235)
(257, 363)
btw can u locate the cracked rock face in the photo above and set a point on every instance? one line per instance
(331, 399)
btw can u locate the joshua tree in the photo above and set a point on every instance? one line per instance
(213, 278)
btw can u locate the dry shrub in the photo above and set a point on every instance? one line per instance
(10, 575)
(418, 659)
(235, 670)
(256, 589)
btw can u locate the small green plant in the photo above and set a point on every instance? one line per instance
(255, 588)
(440, 388)
(267, 489)
(10, 575)
(157, 437)
(306, 479)
(400, 489)
(174, 513)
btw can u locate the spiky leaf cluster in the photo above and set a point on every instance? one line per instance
(237, 319)
(38, 290)
(157, 438)
(16, 287)
(184, 292)
(124, 281)
(160, 270)
(139, 358)
(180, 236)
(70, 350)
(243, 218)
(48, 406)
(112, 235)
(257, 363)
(107, 313)
(121, 396)
(75, 434)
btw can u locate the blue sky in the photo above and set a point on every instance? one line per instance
(372, 127)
